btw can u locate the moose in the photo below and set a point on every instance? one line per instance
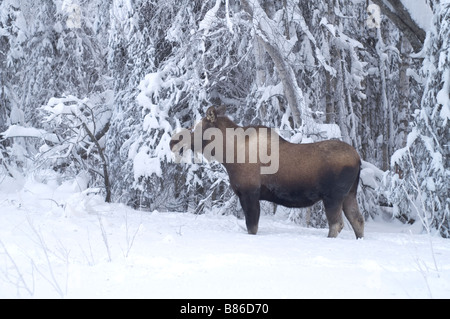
(304, 173)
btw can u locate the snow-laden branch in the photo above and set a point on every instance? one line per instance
(76, 121)
(411, 24)
(209, 18)
(20, 131)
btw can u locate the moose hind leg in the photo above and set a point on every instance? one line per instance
(351, 211)
(251, 207)
(333, 211)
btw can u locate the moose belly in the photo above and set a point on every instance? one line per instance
(289, 197)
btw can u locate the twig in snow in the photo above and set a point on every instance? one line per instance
(21, 283)
(104, 236)
(52, 279)
(130, 239)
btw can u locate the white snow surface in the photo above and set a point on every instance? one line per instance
(56, 242)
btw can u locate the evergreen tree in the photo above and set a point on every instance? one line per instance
(421, 189)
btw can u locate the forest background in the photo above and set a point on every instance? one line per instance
(93, 90)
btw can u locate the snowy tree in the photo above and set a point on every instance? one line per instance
(79, 127)
(52, 48)
(315, 70)
(186, 66)
(48, 56)
(421, 189)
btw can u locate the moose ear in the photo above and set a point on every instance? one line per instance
(211, 114)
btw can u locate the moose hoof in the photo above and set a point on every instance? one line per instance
(252, 230)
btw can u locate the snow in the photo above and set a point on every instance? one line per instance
(73, 12)
(145, 165)
(57, 242)
(229, 23)
(443, 97)
(209, 18)
(151, 85)
(371, 175)
(420, 12)
(20, 131)
(400, 153)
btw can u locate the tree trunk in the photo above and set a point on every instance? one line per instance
(387, 112)
(340, 97)
(293, 93)
(104, 163)
(403, 93)
(259, 62)
(330, 116)
(287, 77)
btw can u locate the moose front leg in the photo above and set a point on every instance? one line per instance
(250, 204)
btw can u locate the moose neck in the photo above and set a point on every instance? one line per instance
(232, 143)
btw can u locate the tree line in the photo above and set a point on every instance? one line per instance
(104, 84)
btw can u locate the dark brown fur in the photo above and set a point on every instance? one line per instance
(327, 171)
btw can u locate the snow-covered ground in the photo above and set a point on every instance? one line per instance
(56, 242)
